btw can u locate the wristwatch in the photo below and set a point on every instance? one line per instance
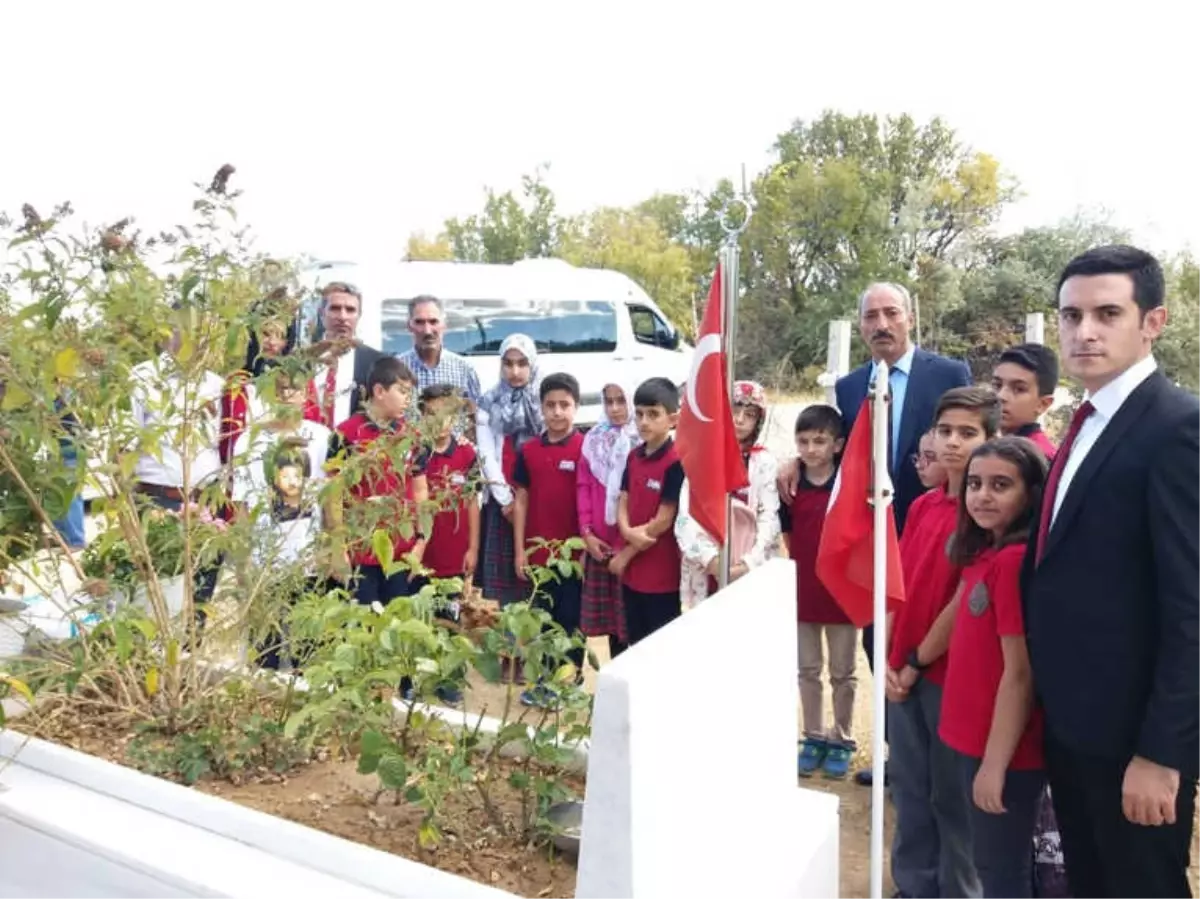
(914, 662)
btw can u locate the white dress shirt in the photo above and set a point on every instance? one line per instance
(345, 386)
(1107, 401)
(157, 402)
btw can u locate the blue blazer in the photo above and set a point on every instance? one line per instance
(930, 377)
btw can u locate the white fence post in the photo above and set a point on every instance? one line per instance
(837, 358)
(1035, 327)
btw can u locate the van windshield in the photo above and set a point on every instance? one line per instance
(477, 327)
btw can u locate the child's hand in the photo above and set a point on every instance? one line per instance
(893, 689)
(521, 563)
(988, 789)
(470, 561)
(737, 571)
(713, 568)
(640, 539)
(507, 512)
(908, 676)
(597, 548)
(618, 563)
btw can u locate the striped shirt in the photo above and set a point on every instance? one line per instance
(451, 369)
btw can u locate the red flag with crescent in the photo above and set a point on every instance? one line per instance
(708, 445)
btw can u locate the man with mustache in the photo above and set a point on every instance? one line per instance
(431, 362)
(918, 379)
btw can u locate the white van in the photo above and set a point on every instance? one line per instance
(591, 323)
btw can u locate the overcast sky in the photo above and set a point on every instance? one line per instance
(352, 124)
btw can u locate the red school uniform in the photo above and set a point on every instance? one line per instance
(358, 434)
(1034, 433)
(990, 608)
(453, 476)
(546, 469)
(929, 576)
(803, 522)
(651, 479)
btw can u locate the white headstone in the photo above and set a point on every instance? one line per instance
(837, 357)
(1035, 327)
(692, 786)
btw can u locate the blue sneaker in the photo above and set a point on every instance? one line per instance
(837, 760)
(812, 754)
(448, 695)
(539, 696)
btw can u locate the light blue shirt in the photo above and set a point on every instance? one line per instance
(898, 381)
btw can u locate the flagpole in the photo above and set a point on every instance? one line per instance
(730, 255)
(881, 499)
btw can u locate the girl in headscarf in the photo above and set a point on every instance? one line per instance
(606, 449)
(754, 523)
(508, 415)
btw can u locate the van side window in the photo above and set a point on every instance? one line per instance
(649, 329)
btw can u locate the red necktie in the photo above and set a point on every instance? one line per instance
(330, 396)
(1056, 469)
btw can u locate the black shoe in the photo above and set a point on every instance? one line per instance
(865, 778)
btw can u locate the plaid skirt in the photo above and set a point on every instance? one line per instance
(603, 612)
(496, 575)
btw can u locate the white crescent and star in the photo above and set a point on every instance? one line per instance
(707, 346)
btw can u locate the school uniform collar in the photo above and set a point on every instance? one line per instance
(658, 453)
(1109, 398)
(449, 451)
(546, 441)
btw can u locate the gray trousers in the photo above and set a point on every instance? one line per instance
(931, 852)
(1002, 855)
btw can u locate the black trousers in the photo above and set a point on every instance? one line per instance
(371, 585)
(275, 645)
(647, 612)
(563, 599)
(1105, 853)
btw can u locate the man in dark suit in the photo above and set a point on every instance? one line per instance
(917, 378)
(1111, 591)
(340, 386)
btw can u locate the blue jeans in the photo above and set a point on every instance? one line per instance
(1003, 844)
(72, 527)
(931, 850)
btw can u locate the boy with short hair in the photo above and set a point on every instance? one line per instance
(1025, 378)
(931, 852)
(929, 469)
(820, 620)
(545, 507)
(649, 562)
(383, 497)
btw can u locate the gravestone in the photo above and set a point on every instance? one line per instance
(692, 786)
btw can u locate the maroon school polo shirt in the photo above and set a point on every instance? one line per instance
(650, 480)
(453, 480)
(1034, 433)
(359, 435)
(803, 522)
(547, 471)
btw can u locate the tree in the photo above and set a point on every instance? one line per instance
(1178, 350)
(635, 245)
(422, 249)
(508, 229)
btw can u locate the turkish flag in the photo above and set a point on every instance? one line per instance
(846, 555)
(708, 446)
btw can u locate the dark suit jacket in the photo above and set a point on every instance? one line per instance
(1111, 612)
(930, 377)
(365, 358)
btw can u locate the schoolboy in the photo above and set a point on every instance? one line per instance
(820, 620)
(383, 497)
(929, 469)
(1025, 378)
(648, 563)
(453, 476)
(545, 507)
(931, 852)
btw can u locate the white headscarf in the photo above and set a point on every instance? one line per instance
(606, 448)
(515, 411)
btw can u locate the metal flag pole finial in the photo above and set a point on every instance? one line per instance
(729, 256)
